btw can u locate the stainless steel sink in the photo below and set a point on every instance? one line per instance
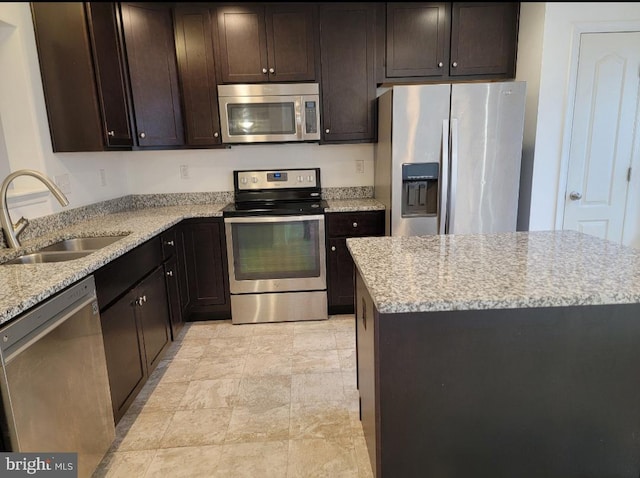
(82, 243)
(51, 256)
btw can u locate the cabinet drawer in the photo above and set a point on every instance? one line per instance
(354, 224)
(120, 275)
(169, 242)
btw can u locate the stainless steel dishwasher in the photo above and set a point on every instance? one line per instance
(55, 389)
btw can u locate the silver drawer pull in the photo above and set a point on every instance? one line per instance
(170, 273)
(333, 248)
(169, 243)
(355, 224)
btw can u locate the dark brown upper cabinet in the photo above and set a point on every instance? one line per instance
(484, 38)
(347, 57)
(448, 41)
(83, 75)
(272, 43)
(151, 56)
(417, 39)
(113, 92)
(194, 49)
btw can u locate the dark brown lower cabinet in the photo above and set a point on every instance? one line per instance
(528, 392)
(123, 350)
(135, 331)
(153, 312)
(205, 252)
(340, 268)
(173, 295)
(135, 317)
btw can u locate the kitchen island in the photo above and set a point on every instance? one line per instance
(499, 355)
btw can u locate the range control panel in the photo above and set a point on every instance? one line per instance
(277, 179)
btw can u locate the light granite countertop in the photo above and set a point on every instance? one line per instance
(24, 285)
(495, 271)
(353, 205)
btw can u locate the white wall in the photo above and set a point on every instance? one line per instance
(560, 23)
(27, 143)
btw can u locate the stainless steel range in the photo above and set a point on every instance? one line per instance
(276, 246)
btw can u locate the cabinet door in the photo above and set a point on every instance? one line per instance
(484, 38)
(340, 277)
(205, 265)
(194, 48)
(153, 312)
(242, 43)
(417, 39)
(124, 352)
(148, 31)
(183, 279)
(110, 74)
(68, 79)
(366, 369)
(291, 30)
(347, 53)
(171, 272)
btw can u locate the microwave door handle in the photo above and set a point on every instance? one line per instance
(297, 104)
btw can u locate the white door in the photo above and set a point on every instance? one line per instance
(604, 119)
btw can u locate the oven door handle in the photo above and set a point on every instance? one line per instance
(267, 218)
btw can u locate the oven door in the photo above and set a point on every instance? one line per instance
(276, 253)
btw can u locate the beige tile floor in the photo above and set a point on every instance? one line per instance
(257, 400)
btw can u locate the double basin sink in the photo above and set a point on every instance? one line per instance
(66, 250)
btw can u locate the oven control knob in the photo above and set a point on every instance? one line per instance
(300, 179)
(254, 180)
(310, 178)
(244, 180)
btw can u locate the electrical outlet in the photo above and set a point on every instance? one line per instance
(184, 171)
(63, 182)
(103, 177)
(360, 166)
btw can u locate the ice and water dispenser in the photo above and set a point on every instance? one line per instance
(420, 189)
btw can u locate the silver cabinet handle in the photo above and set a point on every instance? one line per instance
(170, 273)
(169, 243)
(144, 298)
(327, 130)
(142, 135)
(440, 65)
(575, 196)
(216, 134)
(355, 224)
(272, 71)
(454, 64)
(111, 133)
(333, 248)
(264, 71)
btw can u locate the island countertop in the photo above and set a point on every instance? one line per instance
(495, 271)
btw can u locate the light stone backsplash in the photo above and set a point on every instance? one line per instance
(43, 225)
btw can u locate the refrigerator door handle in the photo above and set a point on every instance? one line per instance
(444, 178)
(454, 176)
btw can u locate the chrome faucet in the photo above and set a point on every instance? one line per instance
(11, 231)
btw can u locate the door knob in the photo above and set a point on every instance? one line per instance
(327, 130)
(440, 65)
(111, 133)
(142, 135)
(333, 248)
(264, 71)
(575, 196)
(170, 273)
(454, 64)
(272, 71)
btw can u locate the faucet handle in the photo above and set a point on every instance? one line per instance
(19, 226)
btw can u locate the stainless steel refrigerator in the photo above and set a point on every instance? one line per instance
(448, 157)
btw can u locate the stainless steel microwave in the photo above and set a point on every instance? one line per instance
(263, 113)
